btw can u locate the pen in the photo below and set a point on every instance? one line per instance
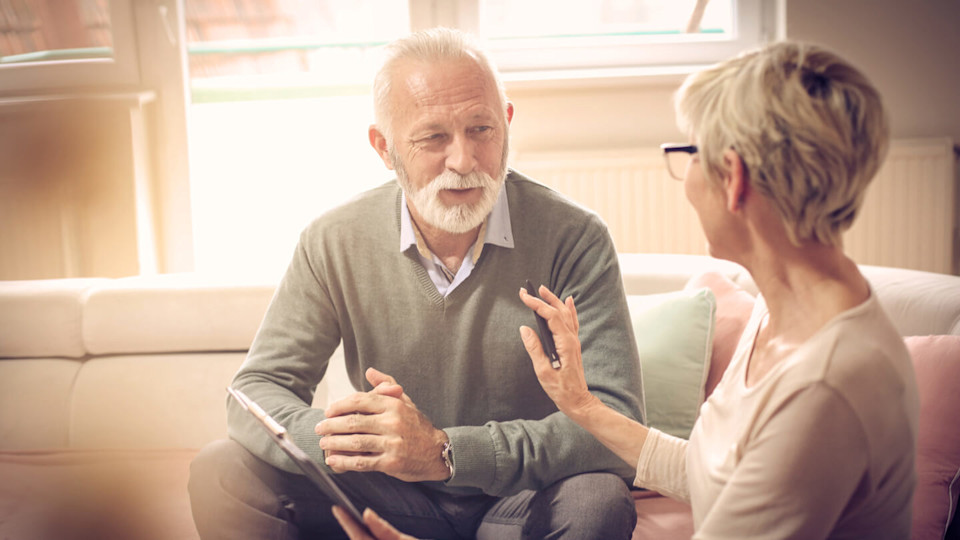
(546, 336)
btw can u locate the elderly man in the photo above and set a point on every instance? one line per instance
(449, 434)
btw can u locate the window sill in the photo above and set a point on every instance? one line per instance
(131, 98)
(594, 77)
(229, 89)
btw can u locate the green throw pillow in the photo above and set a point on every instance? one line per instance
(674, 333)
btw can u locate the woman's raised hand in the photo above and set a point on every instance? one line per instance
(566, 385)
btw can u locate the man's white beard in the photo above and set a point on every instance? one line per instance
(458, 218)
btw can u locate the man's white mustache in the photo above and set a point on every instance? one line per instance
(452, 180)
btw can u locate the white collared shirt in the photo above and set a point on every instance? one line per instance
(496, 230)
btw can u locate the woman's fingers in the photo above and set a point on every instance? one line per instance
(547, 306)
(350, 526)
(531, 342)
(381, 528)
(548, 297)
(562, 310)
(573, 312)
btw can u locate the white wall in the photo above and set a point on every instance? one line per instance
(908, 48)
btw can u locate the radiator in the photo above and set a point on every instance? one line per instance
(909, 218)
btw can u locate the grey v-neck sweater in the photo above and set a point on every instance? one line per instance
(460, 357)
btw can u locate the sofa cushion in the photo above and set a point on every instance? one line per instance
(734, 306)
(173, 312)
(936, 361)
(152, 400)
(661, 518)
(674, 333)
(41, 318)
(35, 402)
(919, 303)
(657, 273)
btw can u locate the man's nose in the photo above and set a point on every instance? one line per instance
(461, 156)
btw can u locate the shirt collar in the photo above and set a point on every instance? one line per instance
(496, 228)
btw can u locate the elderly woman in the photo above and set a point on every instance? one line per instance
(811, 431)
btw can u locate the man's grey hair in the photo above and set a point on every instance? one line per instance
(433, 45)
(810, 129)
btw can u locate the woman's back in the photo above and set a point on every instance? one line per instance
(822, 446)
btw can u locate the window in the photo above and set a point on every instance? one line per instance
(119, 62)
(285, 48)
(281, 92)
(616, 33)
(278, 124)
(60, 44)
(336, 42)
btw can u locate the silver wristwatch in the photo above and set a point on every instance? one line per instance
(447, 455)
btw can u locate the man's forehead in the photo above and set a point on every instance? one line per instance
(423, 84)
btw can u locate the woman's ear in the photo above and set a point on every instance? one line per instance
(735, 180)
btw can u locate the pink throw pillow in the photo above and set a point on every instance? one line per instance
(734, 306)
(936, 361)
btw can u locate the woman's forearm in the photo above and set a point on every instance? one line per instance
(622, 435)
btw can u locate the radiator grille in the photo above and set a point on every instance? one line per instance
(909, 218)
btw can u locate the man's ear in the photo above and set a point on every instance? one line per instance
(735, 180)
(509, 112)
(379, 143)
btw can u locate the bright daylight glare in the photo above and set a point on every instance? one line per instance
(281, 103)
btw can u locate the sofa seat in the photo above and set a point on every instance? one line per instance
(661, 518)
(109, 387)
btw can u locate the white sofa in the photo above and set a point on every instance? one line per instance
(108, 387)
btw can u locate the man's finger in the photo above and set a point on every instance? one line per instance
(386, 385)
(358, 403)
(375, 377)
(357, 444)
(348, 424)
(343, 463)
(390, 390)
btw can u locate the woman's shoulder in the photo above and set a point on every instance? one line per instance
(862, 359)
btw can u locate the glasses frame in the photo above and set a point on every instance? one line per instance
(670, 148)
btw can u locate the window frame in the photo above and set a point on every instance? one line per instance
(121, 69)
(529, 63)
(755, 23)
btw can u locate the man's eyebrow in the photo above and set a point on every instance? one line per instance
(431, 126)
(484, 115)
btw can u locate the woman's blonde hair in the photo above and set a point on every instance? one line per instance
(809, 127)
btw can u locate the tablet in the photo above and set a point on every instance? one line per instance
(317, 474)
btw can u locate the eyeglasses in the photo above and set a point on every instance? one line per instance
(678, 158)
